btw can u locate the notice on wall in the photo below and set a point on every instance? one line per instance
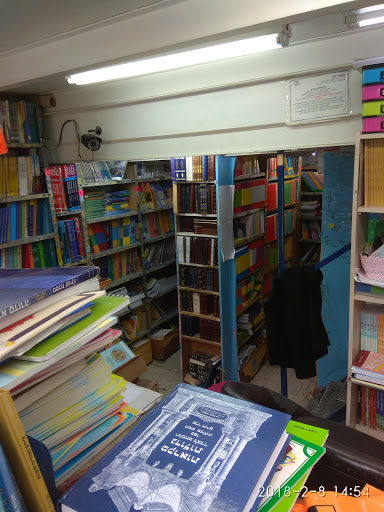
(319, 97)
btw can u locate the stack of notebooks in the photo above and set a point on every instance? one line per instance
(52, 321)
(204, 451)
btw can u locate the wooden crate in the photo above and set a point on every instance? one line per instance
(253, 364)
(144, 349)
(162, 349)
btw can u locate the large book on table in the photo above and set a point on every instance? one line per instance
(20, 288)
(21, 458)
(194, 451)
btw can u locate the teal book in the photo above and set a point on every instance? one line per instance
(117, 355)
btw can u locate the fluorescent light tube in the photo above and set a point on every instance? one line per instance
(177, 60)
(371, 21)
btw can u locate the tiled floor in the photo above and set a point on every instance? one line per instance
(167, 374)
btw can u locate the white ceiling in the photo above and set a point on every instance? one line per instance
(24, 22)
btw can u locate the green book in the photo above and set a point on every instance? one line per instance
(103, 308)
(315, 435)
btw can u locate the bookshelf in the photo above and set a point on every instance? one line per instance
(29, 236)
(131, 247)
(368, 178)
(292, 174)
(310, 215)
(217, 295)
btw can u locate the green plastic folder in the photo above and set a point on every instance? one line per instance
(103, 308)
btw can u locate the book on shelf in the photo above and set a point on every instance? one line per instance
(249, 195)
(372, 328)
(23, 219)
(368, 366)
(200, 303)
(70, 240)
(19, 121)
(249, 226)
(370, 407)
(199, 278)
(202, 251)
(373, 172)
(313, 180)
(117, 169)
(310, 230)
(39, 254)
(93, 172)
(150, 458)
(133, 324)
(10, 495)
(159, 253)
(247, 165)
(193, 168)
(291, 191)
(156, 169)
(120, 265)
(20, 176)
(200, 327)
(157, 224)
(155, 195)
(196, 198)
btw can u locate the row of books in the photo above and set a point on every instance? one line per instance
(310, 230)
(246, 166)
(94, 172)
(157, 224)
(159, 253)
(155, 195)
(200, 303)
(272, 223)
(249, 195)
(272, 253)
(252, 319)
(246, 290)
(195, 198)
(272, 166)
(112, 234)
(20, 176)
(370, 407)
(312, 254)
(202, 367)
(193, 168)
(372, 328)
(35, 255)
(134, 323)
(249, 226)
(18, 121)
(153, 169)
(202, 251)
(22, 219)
(70, 240)
(291, 194)
(198, 226)
(199, 278)
(119, 265)
(64, 187)
(200, 327)
(249, 258)
(373, 172)
(313, 180)
(99, 204)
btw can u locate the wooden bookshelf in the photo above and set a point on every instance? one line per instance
(358, 300)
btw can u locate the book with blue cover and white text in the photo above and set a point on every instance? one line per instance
(195, 451)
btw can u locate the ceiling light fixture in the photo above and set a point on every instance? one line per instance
(182, 59)
(366, 17)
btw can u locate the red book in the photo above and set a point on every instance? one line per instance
(79, 238)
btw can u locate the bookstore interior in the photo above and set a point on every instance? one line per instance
(200, 332)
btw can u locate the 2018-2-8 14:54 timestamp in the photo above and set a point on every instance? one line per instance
(355, 491)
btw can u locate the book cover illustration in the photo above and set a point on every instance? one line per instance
(117, 355)
(193, 452)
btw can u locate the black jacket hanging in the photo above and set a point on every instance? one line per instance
(295, 330)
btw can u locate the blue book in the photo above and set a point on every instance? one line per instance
(20, 288)
(195, 451)
(10, 497)
(204, 166)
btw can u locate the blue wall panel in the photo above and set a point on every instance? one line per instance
(335, 233)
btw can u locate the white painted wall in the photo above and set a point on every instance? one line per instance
(229, 107)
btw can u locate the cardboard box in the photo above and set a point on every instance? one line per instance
(162, 349)
(253, 364)
(132, 370)
(149, 384)
(144, 349)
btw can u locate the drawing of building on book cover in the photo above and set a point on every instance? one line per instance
(180, 461)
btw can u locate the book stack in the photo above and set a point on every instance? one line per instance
(252, 320)
(249, 195)
(249, 226)
(247, 165)
(193, 168)
(70, 240)
(20, 176)
(94, 205)
(157, 224)
(155, 195)
(310, 207)
(200, 303)
(203, 226)
(203, 367)
(52, 321)
(145, 459)
(116, 202)
(159, 253)
(372, 328)
(200, 199)
(199, 278)
(202, 251)
(35, 255)
(313, 180)
(64, 187)
(18, 121)
(23, 219)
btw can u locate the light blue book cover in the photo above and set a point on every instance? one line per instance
(10, 496)
(117, 355)
(195, 451)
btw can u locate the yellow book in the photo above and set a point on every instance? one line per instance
(19, 453)
(2, 176)
(12, 181)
